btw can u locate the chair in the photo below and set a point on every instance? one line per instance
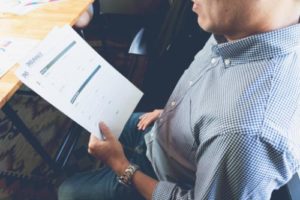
(139, 44)
(169, 45)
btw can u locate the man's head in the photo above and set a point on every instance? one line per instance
(236, 19)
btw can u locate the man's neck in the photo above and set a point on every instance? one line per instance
(280, 22)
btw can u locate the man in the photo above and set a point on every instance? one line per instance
(230, 129)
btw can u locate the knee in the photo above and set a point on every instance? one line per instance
(67, 191)
(134, 118)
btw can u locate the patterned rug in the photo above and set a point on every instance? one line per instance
(23, 174)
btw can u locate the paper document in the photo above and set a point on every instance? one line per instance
(20, 7)
(12, 50)
(70, 75)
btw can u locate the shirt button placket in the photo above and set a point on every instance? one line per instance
(173, 103)
(227, 62)
(213, 60)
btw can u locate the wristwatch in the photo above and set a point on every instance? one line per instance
(126, 177)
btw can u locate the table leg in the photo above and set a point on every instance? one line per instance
(24, 130)
(68, 145)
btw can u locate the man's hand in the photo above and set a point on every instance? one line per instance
(148, 118)
(109, 150)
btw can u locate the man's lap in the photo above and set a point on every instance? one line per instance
(103, 183)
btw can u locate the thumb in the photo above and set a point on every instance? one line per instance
(105, 131)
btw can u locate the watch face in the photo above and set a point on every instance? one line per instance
(126, 177)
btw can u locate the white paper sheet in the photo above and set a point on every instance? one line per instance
(20, 7)
(12, 50)
(69, 74)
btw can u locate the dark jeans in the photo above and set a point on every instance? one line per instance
(102, 184)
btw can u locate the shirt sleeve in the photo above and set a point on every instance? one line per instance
(234, 166)
(91, 9)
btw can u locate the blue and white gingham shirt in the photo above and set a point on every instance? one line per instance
(231, 128)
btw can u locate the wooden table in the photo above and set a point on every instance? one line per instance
(36, 25)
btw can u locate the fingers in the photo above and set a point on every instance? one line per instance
(105, 131)
(148, 118)
(145, 123)
(110, 150)
(145, 120)
(141, 122)
(93, 143)
(143, 115)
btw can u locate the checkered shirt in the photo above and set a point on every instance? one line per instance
(231, 128)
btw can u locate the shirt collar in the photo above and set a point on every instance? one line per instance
(259, 46)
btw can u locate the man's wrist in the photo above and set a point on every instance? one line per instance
(126, 177)
(121, 167)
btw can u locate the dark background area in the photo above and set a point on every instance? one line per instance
(173, 38)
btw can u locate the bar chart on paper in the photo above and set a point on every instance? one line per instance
(70, 75)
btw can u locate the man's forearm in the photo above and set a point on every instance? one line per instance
(144, 184)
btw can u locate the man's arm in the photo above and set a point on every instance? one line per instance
(110, 151)
(229, 166)
(241, 165)
(144, 184)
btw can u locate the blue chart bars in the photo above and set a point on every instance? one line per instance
(47, 67)
(84, 84)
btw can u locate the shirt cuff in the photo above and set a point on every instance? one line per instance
(91, 9)
(163, 190)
